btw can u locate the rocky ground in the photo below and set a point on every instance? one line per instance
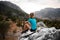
(42, 33)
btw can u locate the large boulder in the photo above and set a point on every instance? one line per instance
(44, 34)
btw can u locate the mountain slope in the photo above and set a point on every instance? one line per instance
(49, 13)
(11, 10)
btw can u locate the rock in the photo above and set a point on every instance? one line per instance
(41, 24)
(45, 34)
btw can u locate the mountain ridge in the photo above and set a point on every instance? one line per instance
(48, 13)
(11, 10)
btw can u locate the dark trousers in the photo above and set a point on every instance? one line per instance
(33, 30)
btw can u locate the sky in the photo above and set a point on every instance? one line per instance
(35, 5)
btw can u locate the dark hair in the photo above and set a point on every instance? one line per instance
(31, 15)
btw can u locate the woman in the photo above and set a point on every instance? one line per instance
(32, 21)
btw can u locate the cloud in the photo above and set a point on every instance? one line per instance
(51, 3)
(35, 5)
(48, 3)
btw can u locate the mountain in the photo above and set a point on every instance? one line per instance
(11, 10)
(48, 13)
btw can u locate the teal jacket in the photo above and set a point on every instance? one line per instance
(33, 23)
